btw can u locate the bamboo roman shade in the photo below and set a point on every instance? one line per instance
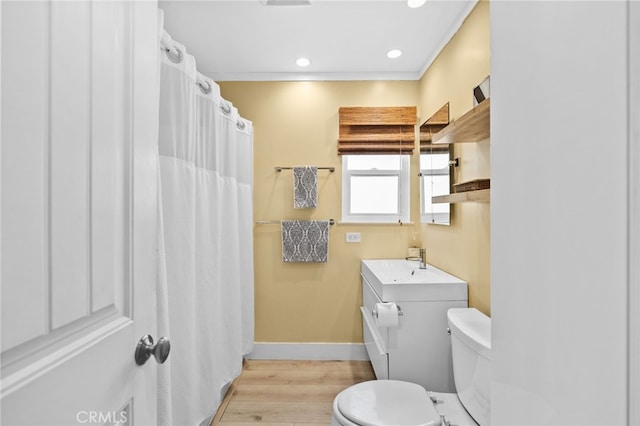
(376, 130)
(433, 125)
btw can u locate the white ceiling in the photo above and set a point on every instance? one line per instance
(246, 40)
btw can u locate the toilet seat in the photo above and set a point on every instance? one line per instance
(387, 402)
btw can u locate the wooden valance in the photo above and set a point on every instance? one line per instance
(433, 125)
(377, 130)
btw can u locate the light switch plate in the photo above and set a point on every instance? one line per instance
(352, 237)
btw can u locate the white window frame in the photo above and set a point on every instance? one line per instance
(404, 211)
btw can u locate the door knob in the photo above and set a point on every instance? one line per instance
(146, 348)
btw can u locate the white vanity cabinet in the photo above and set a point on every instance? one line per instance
(418, 350)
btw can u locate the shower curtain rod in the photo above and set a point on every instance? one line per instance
(176, 55)
(277, 222)
(279, 168)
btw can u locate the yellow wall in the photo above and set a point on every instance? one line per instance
(462, 249)
(297, 123)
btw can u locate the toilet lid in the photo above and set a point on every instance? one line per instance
(387, 402)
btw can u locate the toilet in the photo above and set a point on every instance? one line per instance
(400, 403)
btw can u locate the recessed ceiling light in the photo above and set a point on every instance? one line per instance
(394, 53)
(303, 62)
(415, 3)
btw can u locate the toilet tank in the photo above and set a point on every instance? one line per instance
(471, 354)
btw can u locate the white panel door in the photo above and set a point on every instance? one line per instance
(79, 134)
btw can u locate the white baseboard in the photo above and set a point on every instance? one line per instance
(310, 351)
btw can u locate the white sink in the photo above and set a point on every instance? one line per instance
(399, 279)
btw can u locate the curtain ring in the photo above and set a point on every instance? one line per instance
(225, 108)
(240, 124)
(173, 57)
(204, 89)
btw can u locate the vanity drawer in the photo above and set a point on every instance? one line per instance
(376, 339)
(372, 342)
(369, 300)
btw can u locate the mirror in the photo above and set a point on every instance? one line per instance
(435, 173)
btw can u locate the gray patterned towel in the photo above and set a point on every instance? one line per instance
(305, 240)
(305, 187)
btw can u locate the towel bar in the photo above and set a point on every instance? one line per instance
(280, 168)
(274, 222)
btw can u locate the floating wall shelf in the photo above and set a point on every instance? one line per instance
(474, 126)
(479, 196)
(471, 127)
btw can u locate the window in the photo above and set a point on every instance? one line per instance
(434, 180)
(375, 188)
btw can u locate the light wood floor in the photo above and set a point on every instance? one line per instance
(288, 393)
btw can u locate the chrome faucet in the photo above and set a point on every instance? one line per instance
(423, 258)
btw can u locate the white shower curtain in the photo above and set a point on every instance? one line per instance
(205, 294)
